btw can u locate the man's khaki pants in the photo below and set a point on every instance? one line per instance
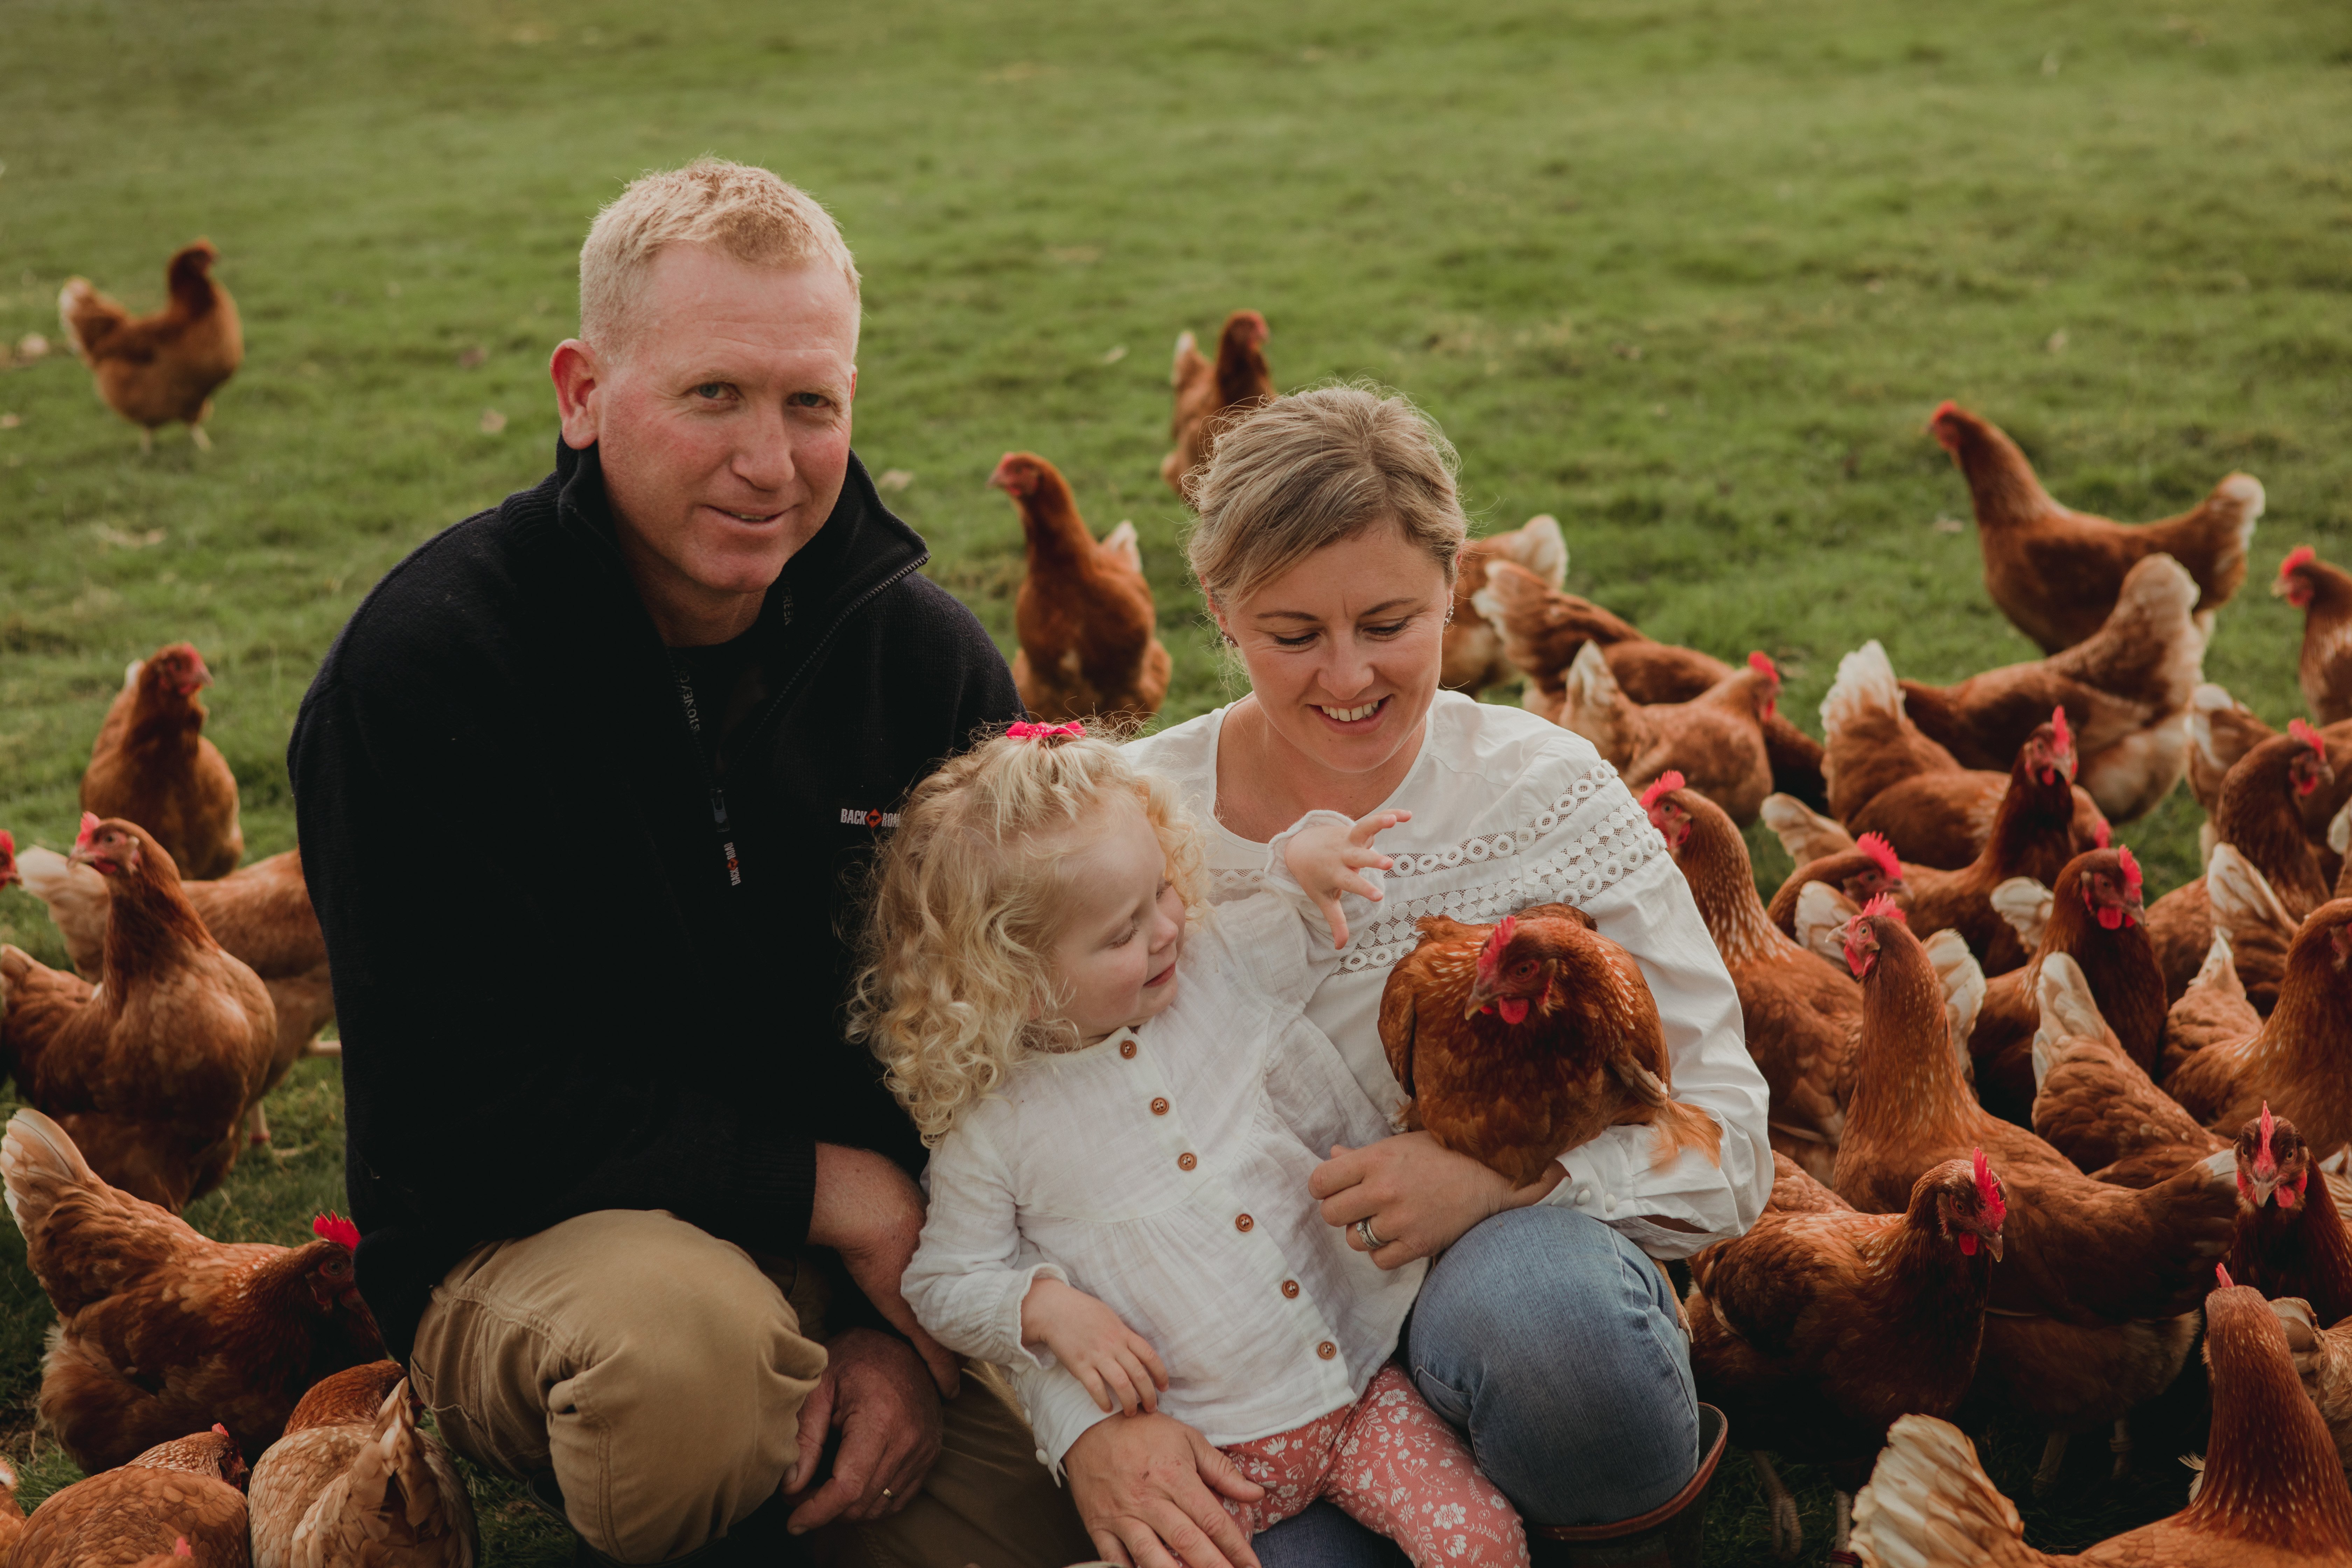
(658, 1373)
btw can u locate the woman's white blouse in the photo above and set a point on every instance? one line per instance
(1508, 810)
(1164, 1171)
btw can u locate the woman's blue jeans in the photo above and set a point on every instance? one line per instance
(1551, 1342)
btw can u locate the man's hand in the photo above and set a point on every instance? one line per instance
(1142, 1484)
(1420, 1197)
(871, 1212)
(878, 1394)
(1117, 1364)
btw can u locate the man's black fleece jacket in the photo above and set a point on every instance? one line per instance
(553, 996)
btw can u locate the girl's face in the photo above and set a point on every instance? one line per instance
(1344, 648)
(1124, 925)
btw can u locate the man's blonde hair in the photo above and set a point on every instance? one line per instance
(1312, 469)
(744, 211)
(955, 983)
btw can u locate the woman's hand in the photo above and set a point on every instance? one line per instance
(1420, 1197)
(1117, 1364)
(1328, 860)
(1146, 1488)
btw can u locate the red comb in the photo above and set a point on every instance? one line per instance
(1664, 783)
(219, 1428)
(89, 820)
(1883, 904)
(7, 842)
(2223, 1274)
(1491, 953)
(1989, 1191)
(2103, 835)
(2301, 555)
(332, 1227)
(1947, 407)
(2302, 731)
(2263, 1155)
(2131, 870)
(1874, 844)
(2058, 723)
(1762, 665)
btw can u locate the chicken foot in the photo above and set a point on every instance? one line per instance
(257, 1119)
(2120, 1445)
(1788, 1534)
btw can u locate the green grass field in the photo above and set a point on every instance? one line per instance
(1689, 274)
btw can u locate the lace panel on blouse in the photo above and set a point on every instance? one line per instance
(1566, 853)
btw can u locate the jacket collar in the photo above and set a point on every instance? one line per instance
(862, 549)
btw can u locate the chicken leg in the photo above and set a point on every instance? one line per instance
(1788, 1534)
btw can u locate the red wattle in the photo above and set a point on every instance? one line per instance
(2110, 918)
(1968, 1244)
(1514, 1009)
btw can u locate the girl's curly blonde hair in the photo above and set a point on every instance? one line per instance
(954, 984)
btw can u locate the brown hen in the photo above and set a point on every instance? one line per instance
(1801, 1012)
(151, 764)
(1519, 1041)
(2292, 1238)
(156, 1324)
(354, 1483)
(2300, 1061)
(1209, 395)
(2274, 1495)
(184, 1491)
(1088, 628)
(1817, 1328)
(2324, 593)
(1543, 629)
(2057, 572)
(155, 370)
(1715, 740)
(151, 1070)
(260, 915)
(1473, 658)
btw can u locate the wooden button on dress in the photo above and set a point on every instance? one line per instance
(1290, 1288)
(1186, 1161)
(1127, 1049)
(1242, 1222)
(1160, 1107)
(1327, 1350)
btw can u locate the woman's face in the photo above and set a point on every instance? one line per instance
(1344, 648)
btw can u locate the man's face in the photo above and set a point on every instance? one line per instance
(721, 414)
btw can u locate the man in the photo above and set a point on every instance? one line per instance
(584, 789)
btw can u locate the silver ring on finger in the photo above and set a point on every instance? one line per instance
(1371, 1243)
(887, 1494)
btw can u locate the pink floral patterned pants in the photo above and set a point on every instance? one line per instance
(1392, 1464)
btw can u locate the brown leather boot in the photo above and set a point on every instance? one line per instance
(1665, 1537)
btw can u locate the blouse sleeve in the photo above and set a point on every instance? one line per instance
(1650, 913)
(970, 1270)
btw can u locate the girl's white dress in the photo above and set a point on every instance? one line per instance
(1164, 1171)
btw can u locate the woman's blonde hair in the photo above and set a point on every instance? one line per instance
(955, 984)
(1313, 468)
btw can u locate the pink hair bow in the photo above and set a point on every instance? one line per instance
(1025, 731)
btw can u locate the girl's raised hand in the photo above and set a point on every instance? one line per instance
(1118, 1367)
(1330, 861)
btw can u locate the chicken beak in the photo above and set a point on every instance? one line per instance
(1993, 1243)
(1481, 997)
(2263, 1186)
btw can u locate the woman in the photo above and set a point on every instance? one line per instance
(1326, 543)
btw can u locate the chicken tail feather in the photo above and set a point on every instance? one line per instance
(38, 1162)
(1929, 1504)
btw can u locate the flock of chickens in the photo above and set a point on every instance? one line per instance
(176, 1359)
(2031, 1132)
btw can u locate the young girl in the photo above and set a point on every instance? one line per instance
(1124, 1103)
